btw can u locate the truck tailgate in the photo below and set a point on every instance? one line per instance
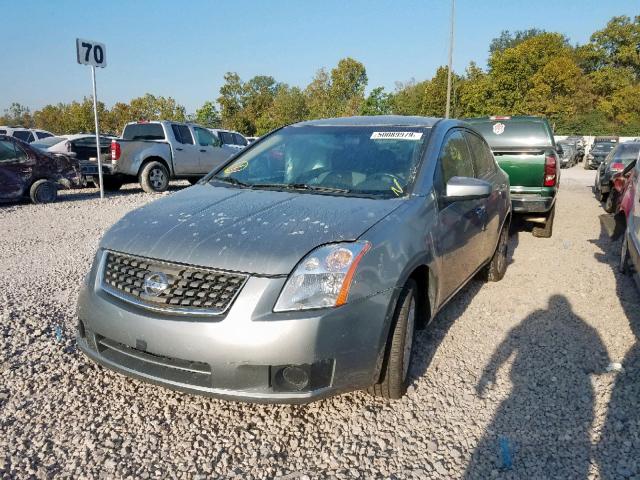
(525, 168)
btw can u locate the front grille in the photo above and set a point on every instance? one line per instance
(171, 287)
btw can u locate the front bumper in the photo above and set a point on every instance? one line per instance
(531, 203)
(238, 356)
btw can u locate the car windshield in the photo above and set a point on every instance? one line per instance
(45, 143)
(367, 161)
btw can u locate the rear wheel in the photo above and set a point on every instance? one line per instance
(43, 191)
(497, 267)
(547, 230)
(154, 177)
(395, 368)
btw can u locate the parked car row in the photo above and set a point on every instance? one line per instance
(27, 135)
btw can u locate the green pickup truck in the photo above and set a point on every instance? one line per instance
(525, 149)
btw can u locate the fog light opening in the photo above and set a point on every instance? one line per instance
(296, 377)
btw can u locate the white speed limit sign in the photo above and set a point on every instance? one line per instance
(91, 53)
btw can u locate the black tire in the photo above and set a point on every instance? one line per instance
(547, 230)
(43, 191)
(610, 202)
(601, 197)
(624, 266)
(494, 271)
(111, 184)
(193, 180)
(395, 367)
(154, 177)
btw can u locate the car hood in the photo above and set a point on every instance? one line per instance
(254, 231)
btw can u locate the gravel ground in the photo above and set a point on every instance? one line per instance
(509, 381)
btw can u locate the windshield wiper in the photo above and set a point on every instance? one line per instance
(301, 186)
(232, 181)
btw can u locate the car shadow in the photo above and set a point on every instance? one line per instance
(618, 450)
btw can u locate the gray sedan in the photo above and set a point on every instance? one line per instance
(302, 267)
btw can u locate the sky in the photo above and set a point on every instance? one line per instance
(182, 49)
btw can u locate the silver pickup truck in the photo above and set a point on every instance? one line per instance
(155, 152)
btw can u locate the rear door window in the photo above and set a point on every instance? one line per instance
(7, 152)
(483, 160)
(455, 158)
(43, 134)
(143, 131)
(182, 134)
(24, 135)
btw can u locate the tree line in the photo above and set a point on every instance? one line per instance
(592, 88)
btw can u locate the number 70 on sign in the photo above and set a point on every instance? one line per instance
(91, 53)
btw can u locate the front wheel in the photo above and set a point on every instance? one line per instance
(497, 267)
(547, 230)
(624, 267)
(43, 191)
(395, 368)
(154, 177)
(610, 203)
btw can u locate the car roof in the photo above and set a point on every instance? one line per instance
(373, 121)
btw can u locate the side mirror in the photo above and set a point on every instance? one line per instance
(467, 188)
(559, 150)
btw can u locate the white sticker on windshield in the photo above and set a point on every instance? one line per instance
(396, 135)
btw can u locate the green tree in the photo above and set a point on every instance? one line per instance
(408, 98)
(288, 106)
(17, 114)
(378, 102)
(510, 40)
(207, 115)
(150, 107)
(348, 82)
(231, 102)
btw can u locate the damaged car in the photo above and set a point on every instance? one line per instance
(30, 173)
(302, 267)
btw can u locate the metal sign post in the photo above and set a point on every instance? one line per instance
(93, 54)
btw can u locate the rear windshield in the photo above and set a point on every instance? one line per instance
(604, 146)
(45, 143)
(626, 152)
(24, 135)
(143, 131)
(371, 161)
(509, 133)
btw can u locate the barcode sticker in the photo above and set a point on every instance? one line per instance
(396, 135)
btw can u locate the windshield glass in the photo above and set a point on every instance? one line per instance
(143, 131)
(47, 142)
(510, 133)
(604, 146)
(379, 161)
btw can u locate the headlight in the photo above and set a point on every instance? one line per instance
(323, 278)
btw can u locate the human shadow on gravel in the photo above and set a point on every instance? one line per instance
(618, 452)
(542, 430)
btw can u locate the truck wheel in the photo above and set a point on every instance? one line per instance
(43, 191)
(547, 230)
(395, 367)
(610, 203)
(154, 177)
(497, 267)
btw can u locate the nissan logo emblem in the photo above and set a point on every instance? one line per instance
(155, 284)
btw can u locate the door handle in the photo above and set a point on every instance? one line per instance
(203, 151)
(179, 149)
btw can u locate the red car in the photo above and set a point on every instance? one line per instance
(623, 184)
(26, 172)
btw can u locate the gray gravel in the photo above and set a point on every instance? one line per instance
(510, 381)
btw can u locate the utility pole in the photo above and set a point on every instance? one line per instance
(453, 7)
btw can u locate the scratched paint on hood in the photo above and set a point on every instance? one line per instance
(256, 231)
